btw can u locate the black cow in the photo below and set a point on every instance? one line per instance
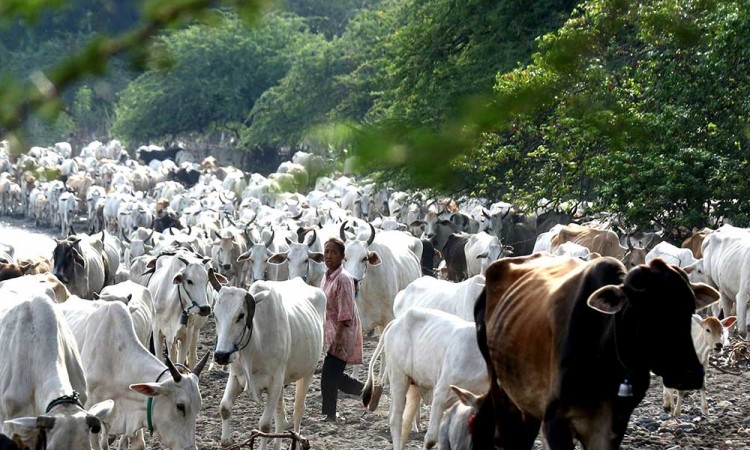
(147, 155)
(428, 258)
(166, 219)
(187, 177)
(455, 258)
(570, 347)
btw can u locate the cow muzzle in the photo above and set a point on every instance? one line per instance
(204, 311)
(222, 358)
(226, 267)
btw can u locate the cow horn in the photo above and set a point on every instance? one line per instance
(150, 236)
(248, 236)
(187, 263)
(484, 213)
(216, 233)
(229, 219)
(102, 235)
(169, 230)
(125, 238)
(172, 369)
(372, 234)
(314, 237)
(201, 364)
(252, 220)
(297, 217)
(341, 231)
(190, 229)
(223, 198)
(627, 239)
(270, 240)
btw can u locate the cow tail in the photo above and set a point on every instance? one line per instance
(372, 390)
(484, 423)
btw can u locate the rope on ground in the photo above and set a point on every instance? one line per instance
(304, 444)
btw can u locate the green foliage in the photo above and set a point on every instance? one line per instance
(208, 75)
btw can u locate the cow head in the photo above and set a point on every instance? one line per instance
(175, 405)
(258, 255)
(67, 259)
(648, 296)
(234, 311)
(634, 255)
(66, 425)
(303, 262)
(191, 278)
(227, 249)
(357, 254)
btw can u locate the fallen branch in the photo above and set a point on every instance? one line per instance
(250, 442)
(721, 369)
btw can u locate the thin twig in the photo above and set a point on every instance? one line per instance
(304, 444)
(721, 369)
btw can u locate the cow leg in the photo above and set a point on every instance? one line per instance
(233, 389)
(300, 392)
(678, 404)
(704, 400)
(742, 298)
(559, 435)
(282, 424)
(413, 398)
(274, 391)
(441, 399)
(516, 430)
(399, 388)
(667, 399)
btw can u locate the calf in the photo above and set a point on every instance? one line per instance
(709, 335)
(458, 421)
(427, 350)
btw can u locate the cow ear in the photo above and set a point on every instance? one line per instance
(244, 257)
(729, 321)
(262, 295)
(277, 258)
(151, 264)
(608, 299)
(102, 409)
(483, 255)
(179, 278)
(147, 389)
(373, 258)
(79, 260)
(315, 256)
(705, 295)
(466, 397)
(23, 431)
(416, 223)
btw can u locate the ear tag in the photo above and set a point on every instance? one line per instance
(626, 389)
(183, 318)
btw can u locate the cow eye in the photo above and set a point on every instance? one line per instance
(708, 331)
(241, 316)
(364, 259)
(190, 281)
(181, 408)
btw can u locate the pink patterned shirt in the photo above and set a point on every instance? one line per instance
(341, 313)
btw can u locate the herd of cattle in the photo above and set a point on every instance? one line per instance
(506, 323)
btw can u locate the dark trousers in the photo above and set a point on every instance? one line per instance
(333, 379)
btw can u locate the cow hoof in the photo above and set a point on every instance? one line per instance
(226, 442)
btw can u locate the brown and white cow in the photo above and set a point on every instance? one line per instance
(603, 242)
(570, 346)
(695, 242)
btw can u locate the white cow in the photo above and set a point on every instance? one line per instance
(304, 259)
(455, 428)
(481, 250)
(726, 267)
(272, 334)
(178, 287)
(67, 208)
(670, 254)
(427, 351)
(381, 266)
(260, 252)
(573, 250)
(708, 335)
(40, 386)
(544, 240)
(429, 292)
(118, 366)
(140, 305)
